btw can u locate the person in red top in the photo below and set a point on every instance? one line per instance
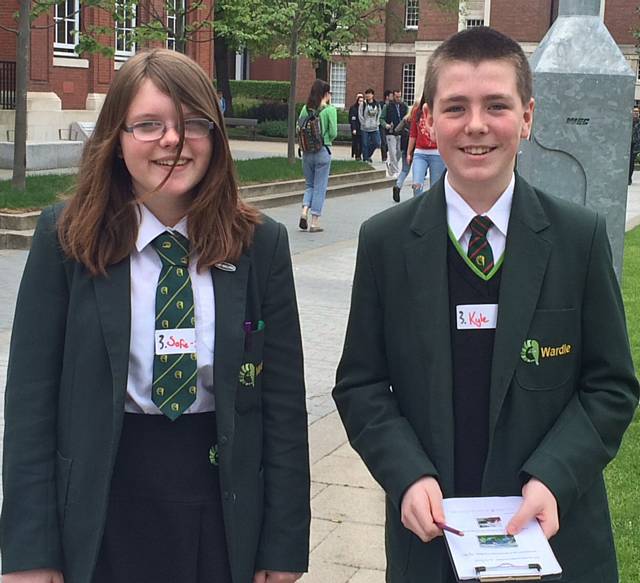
(423, 151)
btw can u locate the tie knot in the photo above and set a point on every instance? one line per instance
(480, 225)
(173, 248)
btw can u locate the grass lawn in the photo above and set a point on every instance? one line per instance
(44, 190)
(623, 474)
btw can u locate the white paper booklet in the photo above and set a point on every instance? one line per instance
(486, 552)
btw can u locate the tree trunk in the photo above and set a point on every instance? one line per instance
(291, 119)
(220, 56)
(22, 75)
(322, 69)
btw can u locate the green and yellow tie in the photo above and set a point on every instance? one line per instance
(479, 251)
(174, 375)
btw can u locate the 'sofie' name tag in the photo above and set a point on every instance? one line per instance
(176, 341)
(477, 316)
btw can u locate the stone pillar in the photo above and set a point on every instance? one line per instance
(579, 145)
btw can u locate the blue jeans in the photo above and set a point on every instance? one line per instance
(316, 166)
(370, 141)
(422, 162)
(404, 172)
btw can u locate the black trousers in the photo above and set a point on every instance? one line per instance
(356, 146)
(632, 160)
(164, 522)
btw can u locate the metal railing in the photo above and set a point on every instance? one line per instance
(7, 85)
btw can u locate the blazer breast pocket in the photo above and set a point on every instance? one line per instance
(549, 353)
(249, 393)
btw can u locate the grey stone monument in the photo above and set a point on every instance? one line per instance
(584, 89)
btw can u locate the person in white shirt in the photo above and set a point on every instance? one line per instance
(155, 421)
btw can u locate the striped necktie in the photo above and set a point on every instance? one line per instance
(174, 363)
(479, 251)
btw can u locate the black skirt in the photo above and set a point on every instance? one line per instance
(164, 521)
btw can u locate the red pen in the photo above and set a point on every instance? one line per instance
(443, 526)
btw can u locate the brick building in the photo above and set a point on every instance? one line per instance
(63, 86)
(397, 51)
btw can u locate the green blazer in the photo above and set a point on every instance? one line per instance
(561, 420)
(64, 408)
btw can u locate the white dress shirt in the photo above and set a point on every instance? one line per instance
(145, 270)
(459, 215)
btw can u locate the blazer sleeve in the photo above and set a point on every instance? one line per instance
(284, 540)
(376, 427)
(587, 435)
(29, 532)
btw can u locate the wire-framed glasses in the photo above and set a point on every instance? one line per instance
(152, 130)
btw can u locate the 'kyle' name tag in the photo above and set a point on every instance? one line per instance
(176, 341)
(477, 316)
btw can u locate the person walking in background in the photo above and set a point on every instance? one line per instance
(635, 142)
(384, 150)
(222, 100)
(318, 125)
(423, 151)
(354, 122)
(369, 116)
(157, 430)
(402, 131)
(392, 113)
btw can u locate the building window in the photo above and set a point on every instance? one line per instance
(409, 83)
(411, 13)
(125, 25)
(175, 24)
(338, 83)
(471, 22)
(66, 18)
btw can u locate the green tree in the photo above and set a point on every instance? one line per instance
(293, 28)
(152, 27)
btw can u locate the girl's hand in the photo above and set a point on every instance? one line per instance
(34, 576)
(421, 508)
(275, 577)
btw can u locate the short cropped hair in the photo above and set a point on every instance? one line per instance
(476, 45)
(371, 91)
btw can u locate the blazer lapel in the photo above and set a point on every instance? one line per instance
(113, 296)
(525, 263)
(230, 289)
(426, 261)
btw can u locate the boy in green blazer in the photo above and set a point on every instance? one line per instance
(486, 352)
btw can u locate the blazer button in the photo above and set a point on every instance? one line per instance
(223, 440)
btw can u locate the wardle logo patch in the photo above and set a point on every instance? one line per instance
(532, 352)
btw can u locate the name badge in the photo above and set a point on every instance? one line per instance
(176, 341)
(477, 316)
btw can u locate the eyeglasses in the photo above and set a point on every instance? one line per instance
(152, 130)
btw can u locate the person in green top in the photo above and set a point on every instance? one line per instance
(316, 165)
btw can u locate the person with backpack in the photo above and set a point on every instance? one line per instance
(369, 115)
(317, 128)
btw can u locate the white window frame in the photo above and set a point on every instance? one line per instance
(338, 83)
(172, 21)
(411, 14)
(409, 83)
(71, 24)
(124, 30)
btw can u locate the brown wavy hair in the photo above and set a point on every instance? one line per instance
(99, 227)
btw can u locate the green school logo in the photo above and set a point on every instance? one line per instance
(532, 352)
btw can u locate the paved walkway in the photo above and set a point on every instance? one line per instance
(347, 538)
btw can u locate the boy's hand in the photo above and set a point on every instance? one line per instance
(35, 576)
(538, 503)
(421, 508)
(275, 577)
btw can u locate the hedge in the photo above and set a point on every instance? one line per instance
(266, 90)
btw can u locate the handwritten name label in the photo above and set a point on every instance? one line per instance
(477, 316)
(176, 341)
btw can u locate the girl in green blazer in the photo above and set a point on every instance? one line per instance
(155, 422)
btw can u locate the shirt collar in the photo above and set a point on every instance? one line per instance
(459, 213)
(149, 227)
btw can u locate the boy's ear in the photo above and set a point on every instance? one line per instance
(527, 119)
(428, 116)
